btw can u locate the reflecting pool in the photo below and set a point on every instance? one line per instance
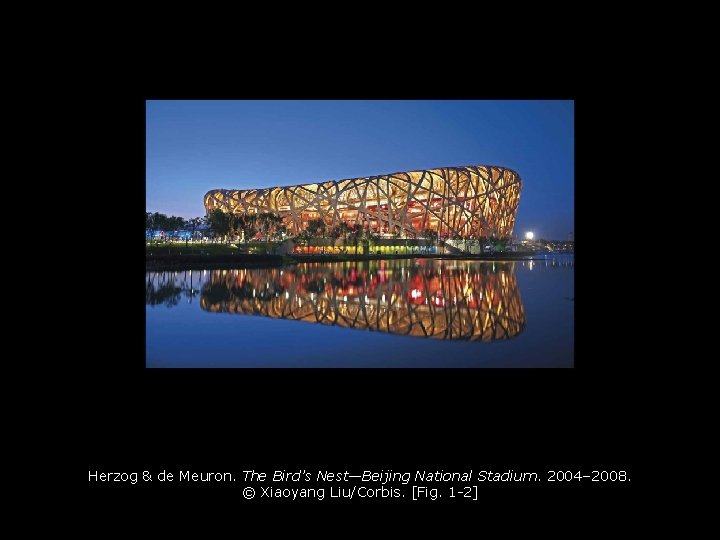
(387, 313)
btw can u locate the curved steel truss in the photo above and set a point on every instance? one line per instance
(468, 201)
(476, 303)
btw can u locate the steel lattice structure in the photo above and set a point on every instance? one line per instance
(476, 304)
(470, 201)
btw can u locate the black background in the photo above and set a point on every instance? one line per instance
(133, 419)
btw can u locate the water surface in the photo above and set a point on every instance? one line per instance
(395, 313)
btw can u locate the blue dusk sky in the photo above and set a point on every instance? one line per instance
(195, 146)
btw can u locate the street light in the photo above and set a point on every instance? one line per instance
(529, 235)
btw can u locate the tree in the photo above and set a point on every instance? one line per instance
(302, 238)
(339, 231)
(342, 231)
(194, 224)
(220, 223)
(498, 243)
(149, 222)
(354, 234)
(159, 222)
(316, 228)
(247, 225)
(174, 224)
(270, 225)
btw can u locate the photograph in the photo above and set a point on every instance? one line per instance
(359, 233)
(359, 297)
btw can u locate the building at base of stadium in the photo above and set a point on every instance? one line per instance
(454, 202)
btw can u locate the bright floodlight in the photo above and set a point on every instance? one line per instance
(529, 235)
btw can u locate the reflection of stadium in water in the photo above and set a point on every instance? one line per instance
(438, 299)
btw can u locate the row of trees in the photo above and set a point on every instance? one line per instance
(160, 222)
(270, 227)
(356, 234)
(350, 234)
(222, 225)
(247, 226)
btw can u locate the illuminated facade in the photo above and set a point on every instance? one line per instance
(475, 302)
(455, 202)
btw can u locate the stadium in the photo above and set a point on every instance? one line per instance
(454, 202)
